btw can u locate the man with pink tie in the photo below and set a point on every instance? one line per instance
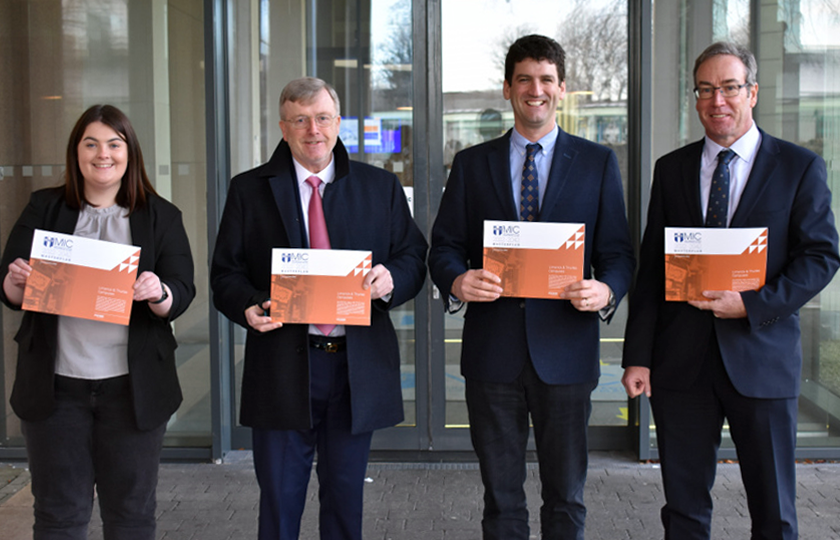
(310, 389)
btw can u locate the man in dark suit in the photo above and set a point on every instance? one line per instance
(532, 356)
(736, 355)
(308, 389)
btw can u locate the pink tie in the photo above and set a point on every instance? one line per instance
(318, 237)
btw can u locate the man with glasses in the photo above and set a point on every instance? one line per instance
(735, 355)
(315, 388)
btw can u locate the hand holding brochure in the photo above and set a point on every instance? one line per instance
(320, 286)
(81, 277)
(708, 259)
(534, 259)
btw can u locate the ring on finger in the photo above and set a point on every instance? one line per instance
(586, 302)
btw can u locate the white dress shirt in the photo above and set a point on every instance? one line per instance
(740, 167)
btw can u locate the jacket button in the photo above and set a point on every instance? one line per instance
(522, 305)
(299, 350)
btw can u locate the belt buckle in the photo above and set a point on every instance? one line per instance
(330, 347)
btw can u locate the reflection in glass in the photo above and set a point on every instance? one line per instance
(594, 36)
(370, 68)
(796, 46)
(147, 59)
(803, 109)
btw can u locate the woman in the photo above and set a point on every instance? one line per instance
(94, 398)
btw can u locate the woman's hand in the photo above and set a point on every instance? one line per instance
(151, 289)
(14, 284)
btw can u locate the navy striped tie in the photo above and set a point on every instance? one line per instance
(718, 209)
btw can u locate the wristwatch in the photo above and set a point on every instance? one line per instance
(163, 297)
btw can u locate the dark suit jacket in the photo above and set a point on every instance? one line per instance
(158, 230)
(584, 186)
(787, 193)
(365, 209)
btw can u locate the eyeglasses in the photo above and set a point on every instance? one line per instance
(708, 92)
(303, 122)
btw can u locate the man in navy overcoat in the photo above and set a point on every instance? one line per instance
(307, 388)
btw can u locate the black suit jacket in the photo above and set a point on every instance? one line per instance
(787, 193)
(159, 231)
(584, 186)
(365, 209)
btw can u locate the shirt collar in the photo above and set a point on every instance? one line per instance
(745, 148)
(518, 142)
(327, 175)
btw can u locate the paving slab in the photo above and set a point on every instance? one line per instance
(439, 501)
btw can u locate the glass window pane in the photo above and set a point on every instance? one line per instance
(362, 48)
(799, 77)
(476, 35)
(731, 21)
(145, 57)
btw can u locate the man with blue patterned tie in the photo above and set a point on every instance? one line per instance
(532, 359)
(736, 355)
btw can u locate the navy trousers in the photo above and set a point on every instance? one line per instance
(499, 428)
(688, 432)
(283, 461)
(91, 442)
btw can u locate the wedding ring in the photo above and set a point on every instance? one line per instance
(586, 302)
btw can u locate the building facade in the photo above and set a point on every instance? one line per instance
(419, 80)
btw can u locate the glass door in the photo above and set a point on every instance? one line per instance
(364, 49)
(475, 37)
(145, 57)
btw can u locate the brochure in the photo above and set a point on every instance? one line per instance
(710, 259)
(320, 286)
(81, 277)
(534, 259)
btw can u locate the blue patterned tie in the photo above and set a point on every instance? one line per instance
(718, 208)
(529, 202)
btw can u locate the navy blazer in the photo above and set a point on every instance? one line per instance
(365, 209)
(158, 229)
(787, 193)
(584, 186)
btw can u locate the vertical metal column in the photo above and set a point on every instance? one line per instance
(218, 172)
(639, 106)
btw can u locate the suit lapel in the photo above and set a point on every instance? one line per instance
(691, 186)
(765, 165)
(561, 163)
(280, 175)
(65, 222)
(498, 163)
(140, 223)
(287, 199)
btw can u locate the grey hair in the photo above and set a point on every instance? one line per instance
(304, 90)
(741, 53)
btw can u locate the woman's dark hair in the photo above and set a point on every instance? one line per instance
(135, 186)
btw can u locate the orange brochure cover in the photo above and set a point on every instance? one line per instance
(320, 286)
(81, 277)
(534, 259)
(699, 259)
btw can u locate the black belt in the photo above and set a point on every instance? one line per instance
(328, 344)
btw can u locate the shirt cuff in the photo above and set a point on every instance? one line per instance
(454, 304)
(607, 311)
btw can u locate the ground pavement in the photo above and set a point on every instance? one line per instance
(438, 501)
